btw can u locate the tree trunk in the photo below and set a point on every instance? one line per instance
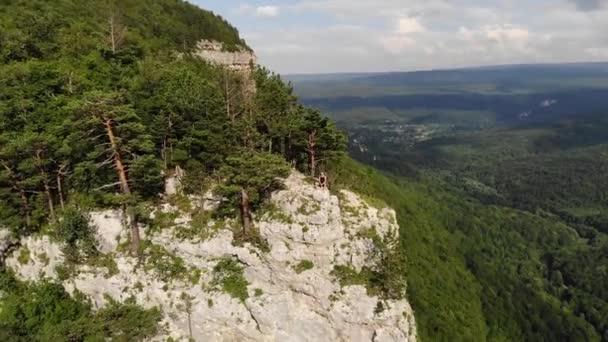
(26, 206)
(163, 152)
(25, 203)
(59, 179)
(168, 145)
(49, 198)
(190, 324)
(112, 34)
(45, 184)
(60, 192)
(120, 168)
(135, 239)
(70, 82)
(227, 91)
(245, 214)
(282, 147)
(312, 153)
(270, 145)
(124, 185)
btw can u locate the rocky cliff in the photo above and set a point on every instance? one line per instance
(210, 287)
(214, 52)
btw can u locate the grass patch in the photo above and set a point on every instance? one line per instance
(24, 256)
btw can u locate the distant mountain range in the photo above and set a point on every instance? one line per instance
(481, 72)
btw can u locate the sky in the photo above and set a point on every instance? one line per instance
(329, 36)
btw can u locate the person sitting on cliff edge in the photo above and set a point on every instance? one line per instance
(322, 180)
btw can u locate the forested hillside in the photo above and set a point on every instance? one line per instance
(503, 227)
(487, 272)
(100, 102)
(499, 179)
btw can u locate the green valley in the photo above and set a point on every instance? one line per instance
(503, 216)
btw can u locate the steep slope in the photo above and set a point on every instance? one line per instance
(47, 29)
(305, 283)
(487, 272)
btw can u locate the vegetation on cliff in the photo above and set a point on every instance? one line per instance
(100, 100)
(479, 271)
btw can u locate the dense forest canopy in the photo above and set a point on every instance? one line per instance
(499, 182)
(100, 102)
(101, 99)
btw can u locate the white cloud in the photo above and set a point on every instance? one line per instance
(384, 35)
(598, 52)
(503, 34)
(507, 33)
(397, 44)
(244, 9)
(409, 25)
(267, 11)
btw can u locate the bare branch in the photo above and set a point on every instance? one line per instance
(107, 186)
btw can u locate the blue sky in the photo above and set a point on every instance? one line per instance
(324, 36)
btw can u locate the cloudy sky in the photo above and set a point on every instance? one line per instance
(324, 36)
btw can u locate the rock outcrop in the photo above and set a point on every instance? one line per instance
(214, 52)
(288, 291)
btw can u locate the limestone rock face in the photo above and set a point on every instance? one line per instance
(292, 292)
(214, 52)
(37, 258)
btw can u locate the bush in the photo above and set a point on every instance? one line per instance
(147, 176)
(73, 229)
(45, 312)
(228, 275)
(128, 321)
(304, 265)
(167, 266)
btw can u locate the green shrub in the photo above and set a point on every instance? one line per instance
(384, 282)
(43, 311)
(228, 275)
(167, 266)
(24, 256)
(104, 261)
(128, 321)
(303, 265)
(162, 221)
(77, 235)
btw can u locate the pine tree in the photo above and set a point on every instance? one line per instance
(249, 178)
(319, 138)
(122, 138)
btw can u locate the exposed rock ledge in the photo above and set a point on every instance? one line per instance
(283, 305)
(213, 52)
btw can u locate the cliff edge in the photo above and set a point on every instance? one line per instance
(303, 281)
